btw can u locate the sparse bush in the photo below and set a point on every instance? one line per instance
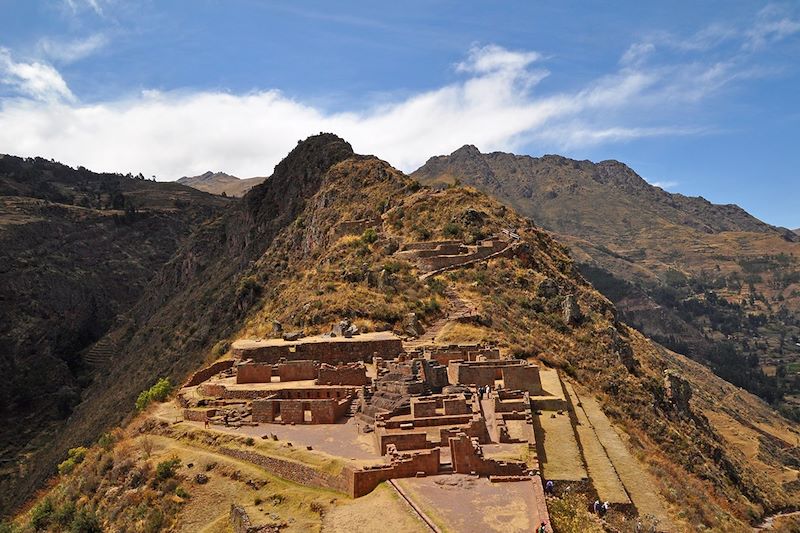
(249, 441)
(166, 469)
(569, 514)
(158, 393)
(147, 445)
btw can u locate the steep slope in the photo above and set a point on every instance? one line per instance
(77, 249)
(707, 280)
(220, 183)
(282, 255)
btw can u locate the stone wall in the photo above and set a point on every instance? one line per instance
(240, 522)
(481, 251)
(467, 457)
(297, 370)
(292, 411)
(253, 373)
(461, 352)
(421, 408)
(198, 415)
(523, 377)
(354, 227)
(456, 406)
(403, 465)
(332, 352)
(296, 472)
(206, 373)
(478, 376)
(402, 441)
(350, 374)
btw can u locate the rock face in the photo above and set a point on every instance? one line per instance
(662, 258)
(571, 311)
(678, 391)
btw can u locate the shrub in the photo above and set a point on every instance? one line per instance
(106, 441)
(157, 392)
(249, 441)
(42, 514)
(451, 229)
(85, 522)
(181, 492)
(369, 236)
(166, 469)
(154, 521)
(221, 348)
(75, 456)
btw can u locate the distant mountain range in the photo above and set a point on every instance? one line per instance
(220, 182)
(710, 281)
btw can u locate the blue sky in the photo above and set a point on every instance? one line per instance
(699, 97)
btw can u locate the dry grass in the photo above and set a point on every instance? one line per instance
(457, 332)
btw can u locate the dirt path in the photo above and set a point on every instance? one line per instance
(769, 522)
(457, 309)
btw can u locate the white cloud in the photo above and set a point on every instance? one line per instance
(77, 5)
(772, 24)
(666, 185)
(497, 105)
(73, 50)
(35, 80)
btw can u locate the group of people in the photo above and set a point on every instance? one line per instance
(600, 509)
(483, 391)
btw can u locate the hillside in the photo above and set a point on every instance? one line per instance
(77, 250)
(709, 281)
(283, 256)
(220, 183)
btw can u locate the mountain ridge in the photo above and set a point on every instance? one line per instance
(221, 183)
(687, 272)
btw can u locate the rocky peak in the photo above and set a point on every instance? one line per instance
(298, 176)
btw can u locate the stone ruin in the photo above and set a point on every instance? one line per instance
(439, 255)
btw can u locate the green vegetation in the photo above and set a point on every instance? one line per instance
(157, 393)
(166, 469)
(75, 457)
(369, 236)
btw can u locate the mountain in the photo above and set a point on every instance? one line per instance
(220, 183)
(709, 281)
(77, 250)
(287, 254)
